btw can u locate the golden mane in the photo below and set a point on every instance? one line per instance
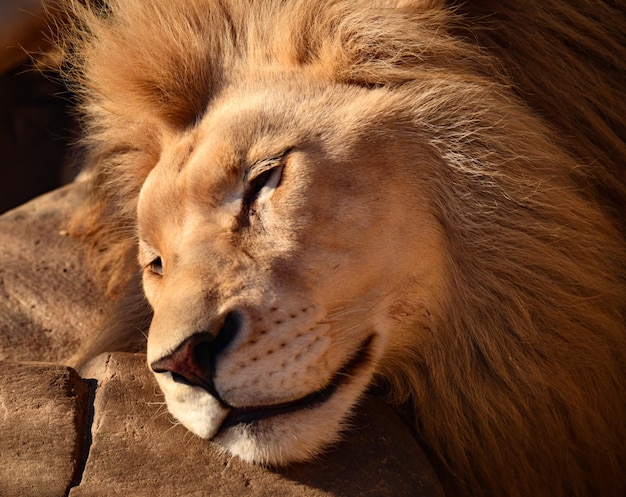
(522, 392)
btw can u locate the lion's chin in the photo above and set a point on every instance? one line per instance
(295, 434)
(289, 437)
(281, 433)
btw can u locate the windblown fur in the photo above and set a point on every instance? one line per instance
(520, 389)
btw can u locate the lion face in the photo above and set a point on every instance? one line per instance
(280, 252)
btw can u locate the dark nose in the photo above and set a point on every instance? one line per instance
(193, 361)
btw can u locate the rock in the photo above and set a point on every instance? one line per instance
(42, 415)
(138, 450)
(48, 300)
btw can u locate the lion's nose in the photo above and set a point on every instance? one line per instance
(193, 361)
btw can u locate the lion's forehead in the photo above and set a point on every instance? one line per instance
(247, 125)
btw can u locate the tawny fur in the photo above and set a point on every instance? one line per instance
(521, 388)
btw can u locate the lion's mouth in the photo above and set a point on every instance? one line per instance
(250, 415)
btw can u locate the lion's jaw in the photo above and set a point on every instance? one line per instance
(277, 259)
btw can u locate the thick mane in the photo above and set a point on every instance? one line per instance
(520, 390)
(566, 59)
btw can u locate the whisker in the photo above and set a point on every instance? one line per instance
(175, 423)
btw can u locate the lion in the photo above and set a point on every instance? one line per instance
(323, 196)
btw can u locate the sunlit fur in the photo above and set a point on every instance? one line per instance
(516, 377)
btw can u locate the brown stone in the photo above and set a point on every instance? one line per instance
(42, 418)
(138, 450)
(48, 301)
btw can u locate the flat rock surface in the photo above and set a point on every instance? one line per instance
(48, 301)
(137, 450)
(61, 434)
(41, 429)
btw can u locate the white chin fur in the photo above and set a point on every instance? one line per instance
(194, 407)
(285, 438)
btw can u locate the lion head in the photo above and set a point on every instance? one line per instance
(327, 194)
(275, 256)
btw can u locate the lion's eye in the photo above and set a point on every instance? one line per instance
(262, 180)
(268, 177)
(156, 266)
